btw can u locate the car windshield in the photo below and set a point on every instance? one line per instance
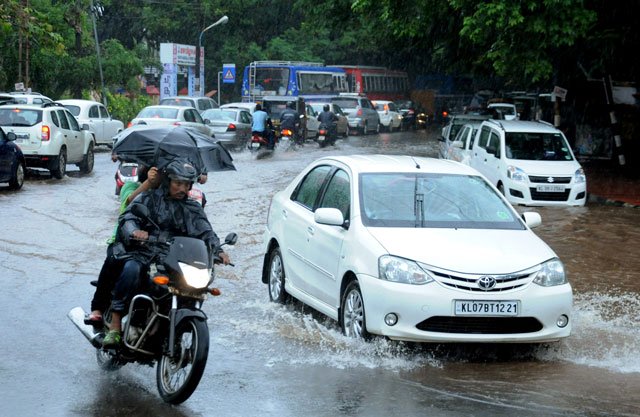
(19, 117)
(75, 110)
(178, 102)
(160, 113)
(433, 201)
(505, 109)
(537, 146)
(225, 115)
(347, 103)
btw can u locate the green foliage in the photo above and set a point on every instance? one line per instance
(126, 108)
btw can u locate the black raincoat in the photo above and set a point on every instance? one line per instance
(174, 217)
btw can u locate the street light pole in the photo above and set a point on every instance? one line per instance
(97, 10)
(221, 21)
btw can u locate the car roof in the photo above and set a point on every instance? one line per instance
(77, 101)
(401, 163)
(524, 126)
(168, 106)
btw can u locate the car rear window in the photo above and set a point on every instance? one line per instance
(75, 110)
(20, 117)
(159, 113)
(178, 102)
(346, 103)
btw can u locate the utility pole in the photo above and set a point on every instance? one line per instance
(96, 11)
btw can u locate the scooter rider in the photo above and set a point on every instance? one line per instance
(290, 119)
(330, 120)
(174, 213)
(261, 121)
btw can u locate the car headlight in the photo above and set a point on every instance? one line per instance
(516, 174)
(195, 277)
(551, 273)
(579, 176)
(394, 269)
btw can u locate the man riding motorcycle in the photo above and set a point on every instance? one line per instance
(173, 213)
(290, 119)
(263, 126)
(329, 120)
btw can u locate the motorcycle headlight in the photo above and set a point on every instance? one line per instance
(195, 277)
(394, 269)
(516, 174)
(551, 273)
(579, 176)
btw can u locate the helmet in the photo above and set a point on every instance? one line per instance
(181, 170)
(326, 107)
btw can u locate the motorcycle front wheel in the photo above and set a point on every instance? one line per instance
(178, 376)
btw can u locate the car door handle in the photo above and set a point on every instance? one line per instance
(310, 230)
(284, 214)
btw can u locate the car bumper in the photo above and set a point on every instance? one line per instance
(356, 123)
(525, 194)
(229, 138)
(415, 305)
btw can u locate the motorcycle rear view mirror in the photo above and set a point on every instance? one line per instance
(231, 239)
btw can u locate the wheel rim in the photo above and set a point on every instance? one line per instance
(19, 175)
(353, 315)
(176, 371)
(275, 277)
(90, 160)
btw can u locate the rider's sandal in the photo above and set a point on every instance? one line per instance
(112, 339)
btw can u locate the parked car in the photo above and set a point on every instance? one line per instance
(459, 148)
(21, 97)
(505, 111)
(250, 106)
(531, 163)
(231, 126)
(367, 240)
(97, 117)
(6, 98)
(172, 115)
(49, 136)
(452, 128)
(342, 127)
(12, 163)
(361, 113)
(199, 103)
(390, 117)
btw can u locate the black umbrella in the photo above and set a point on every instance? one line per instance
(159, 145)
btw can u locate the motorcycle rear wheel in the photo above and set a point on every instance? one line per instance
(178, 377)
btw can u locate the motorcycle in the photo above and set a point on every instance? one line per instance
(326, 135)
(164, 322)
(127, 171)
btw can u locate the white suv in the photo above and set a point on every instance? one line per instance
(49, 136)
(531, 163)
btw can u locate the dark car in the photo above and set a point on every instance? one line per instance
(12, 163)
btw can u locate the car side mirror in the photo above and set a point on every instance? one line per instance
(531, 219)
(207, 121)
(84, 126)
(11, 136)
(329, 216)
(492, 150)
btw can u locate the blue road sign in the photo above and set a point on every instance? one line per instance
(229, 73)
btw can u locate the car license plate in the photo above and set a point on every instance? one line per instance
(550, 188)
(486, 308)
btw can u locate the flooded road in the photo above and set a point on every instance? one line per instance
(272, 360)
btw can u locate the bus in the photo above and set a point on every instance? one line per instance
(377, 83)
(291, 78)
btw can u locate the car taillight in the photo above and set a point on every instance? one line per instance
(359, 112)
(386, 109)
(46, 133)
(176, 123)
(411, 111)
(231, 127)
(129, 124)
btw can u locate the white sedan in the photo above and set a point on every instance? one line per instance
(101, 125)
(413, 249)
(172, 115)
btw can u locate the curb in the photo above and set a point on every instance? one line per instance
(610, 202)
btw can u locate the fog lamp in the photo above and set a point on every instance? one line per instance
(562, 321)
(391, 319)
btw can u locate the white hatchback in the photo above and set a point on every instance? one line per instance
(390, 116)
(367, 241)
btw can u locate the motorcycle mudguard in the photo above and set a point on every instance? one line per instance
(176, 317)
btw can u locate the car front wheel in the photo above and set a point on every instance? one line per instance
(17, 180)
(277, 292)
(353, 318)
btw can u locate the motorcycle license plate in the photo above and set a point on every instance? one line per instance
(321, 138)
(255, 145)
(486, 308)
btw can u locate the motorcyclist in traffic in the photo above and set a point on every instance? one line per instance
(330, 120)
(263, 126)
(290, 119)
(171, 211)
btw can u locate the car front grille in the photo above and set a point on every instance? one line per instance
(480, 325)
(549, 196)
(545, 180)
(469, 282)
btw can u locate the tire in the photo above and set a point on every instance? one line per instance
(352, 314)
(87, 163)
(276, 278)
(364, 129)
(177, 378)
(378, 128)
(58, 167)
(17, 180)
(346, 132)
(501, 189)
